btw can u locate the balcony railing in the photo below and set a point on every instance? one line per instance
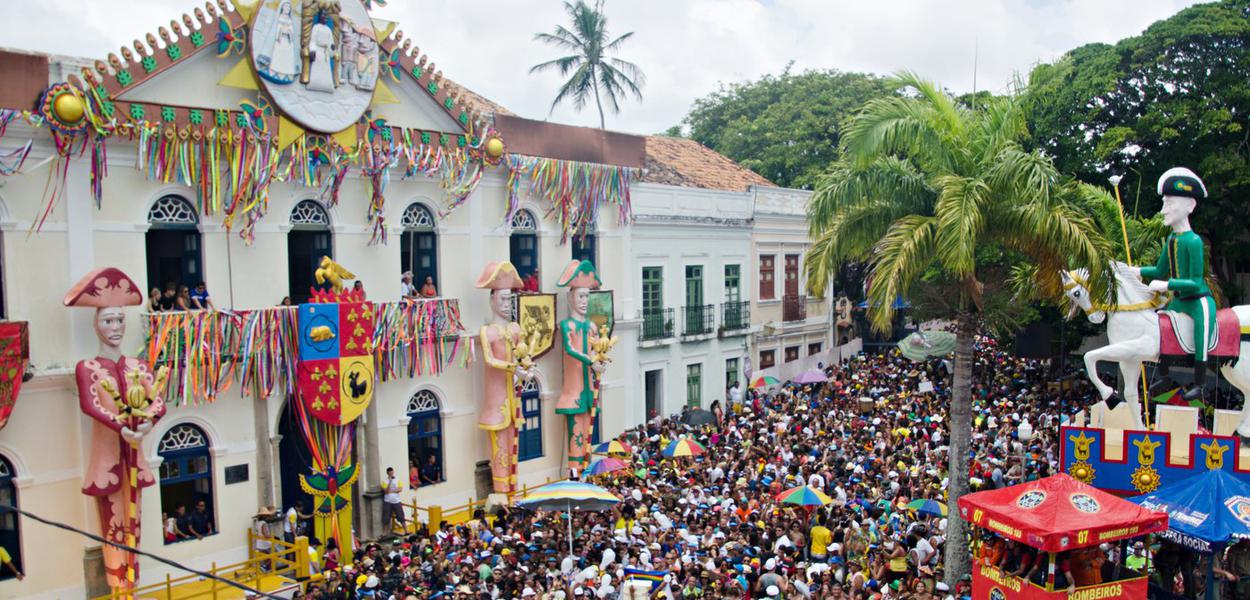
(657, 324)
(735, 315)
(699, 319)
(793, 308)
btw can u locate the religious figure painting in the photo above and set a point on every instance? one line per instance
(317, 60)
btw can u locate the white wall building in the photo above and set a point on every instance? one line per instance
(789, 324)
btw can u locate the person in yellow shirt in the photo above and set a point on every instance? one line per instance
(821, 538)
(7, 561)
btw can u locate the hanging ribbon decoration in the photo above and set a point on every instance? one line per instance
(411, 338)
(576, 190)
(231, 158)
(207, 351)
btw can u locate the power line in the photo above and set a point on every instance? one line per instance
(246, 589)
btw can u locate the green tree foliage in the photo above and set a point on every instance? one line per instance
(785, 127)
(1176, 95)
(932, 194)
(590, 69)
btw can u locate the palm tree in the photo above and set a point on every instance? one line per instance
(932, 192)
(593, 71)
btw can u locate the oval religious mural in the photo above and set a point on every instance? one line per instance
(317, 59)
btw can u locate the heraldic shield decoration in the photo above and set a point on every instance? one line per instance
(336, 360)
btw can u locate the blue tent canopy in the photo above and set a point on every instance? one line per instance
(899, 303)
(1204, 512)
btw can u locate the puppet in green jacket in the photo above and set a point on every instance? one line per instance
(1182, 266)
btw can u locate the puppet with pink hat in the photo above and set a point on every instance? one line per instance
(500, 411)
(122, 397)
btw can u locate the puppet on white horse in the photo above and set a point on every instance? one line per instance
(1139, 332)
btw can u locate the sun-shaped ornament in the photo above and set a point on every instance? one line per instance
(1082, 472)
(493, 148)
(64, 108)
(1145, 479)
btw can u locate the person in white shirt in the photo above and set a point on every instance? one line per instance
(406, 289)
(391, 505)
(291, 524)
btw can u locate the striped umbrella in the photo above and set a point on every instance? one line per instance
(613, 447)
(604, 466)
(764, 381)
(804, 496)
(569, 496)
(928, 507)
(684, 447)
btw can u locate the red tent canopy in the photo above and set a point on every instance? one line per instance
(1059, 513)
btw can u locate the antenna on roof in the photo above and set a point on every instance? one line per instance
(976, 53)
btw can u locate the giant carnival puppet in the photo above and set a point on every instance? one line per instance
(585, 358)
(123, 398)
(1143, 323)
(508, 364)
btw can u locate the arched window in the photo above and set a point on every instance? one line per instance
(307, 242)
(418, 245)
(10, 533)
(523, 244)
(173, 244)
(186, 484)
(425, 439)
(530, 435)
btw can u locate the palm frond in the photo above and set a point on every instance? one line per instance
(935, 98)
(578, 87)
(901, 255)
(960, 205)
(564, 64)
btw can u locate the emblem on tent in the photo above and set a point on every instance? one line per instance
(1239, 506)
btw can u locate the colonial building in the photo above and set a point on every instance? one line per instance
(179, 162)
(788, 323)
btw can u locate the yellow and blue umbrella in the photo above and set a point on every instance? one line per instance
(684, 447)
(804, 495)
(928, 507)
(613, 447)
(569, 496)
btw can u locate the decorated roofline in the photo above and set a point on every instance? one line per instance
(191, 36)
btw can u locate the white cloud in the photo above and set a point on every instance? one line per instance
(686, 47)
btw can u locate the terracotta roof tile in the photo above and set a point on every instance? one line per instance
(687, 163)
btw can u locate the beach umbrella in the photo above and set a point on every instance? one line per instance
(613, 447)
(684, 447)
(812, 376)
(604, 466)
(923, 345)
(928, 507)
(569, 496)
(804, 495)
(764, 381)
(698, 417)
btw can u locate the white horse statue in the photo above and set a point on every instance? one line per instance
(1134, 335)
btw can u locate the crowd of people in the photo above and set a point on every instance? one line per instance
(179, 298)
(711, 526)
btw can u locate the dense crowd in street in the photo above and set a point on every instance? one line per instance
(711, 526)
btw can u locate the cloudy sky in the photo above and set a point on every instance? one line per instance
(687, 48)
